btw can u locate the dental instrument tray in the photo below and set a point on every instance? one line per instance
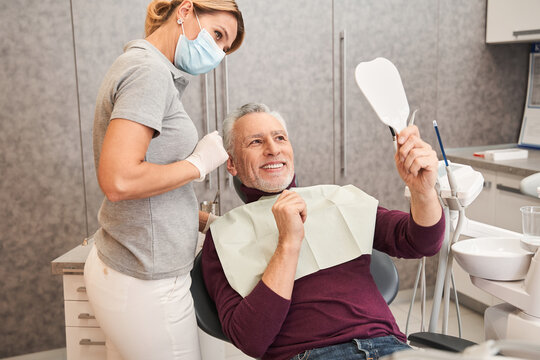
(505, 154)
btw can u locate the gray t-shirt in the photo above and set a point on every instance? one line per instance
(152, 238)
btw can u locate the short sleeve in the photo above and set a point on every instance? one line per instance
(141, 96)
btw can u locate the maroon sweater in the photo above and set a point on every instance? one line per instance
(328, 307)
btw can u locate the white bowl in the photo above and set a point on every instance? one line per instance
(493, 258)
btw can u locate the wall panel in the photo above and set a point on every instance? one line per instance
(481, 88)
(41, 186)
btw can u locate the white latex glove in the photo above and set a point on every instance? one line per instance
(211, 219)
(208, 154)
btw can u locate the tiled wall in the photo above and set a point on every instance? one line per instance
(475, 91)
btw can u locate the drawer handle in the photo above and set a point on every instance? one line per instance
(86, 316)
(509, 189)
(517, 33)
(90, 342)
(81, 289)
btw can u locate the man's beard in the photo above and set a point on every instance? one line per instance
(272, 186)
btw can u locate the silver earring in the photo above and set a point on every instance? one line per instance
(180, 21)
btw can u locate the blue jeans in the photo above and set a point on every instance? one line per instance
(356, 349)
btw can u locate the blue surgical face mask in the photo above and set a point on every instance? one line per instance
(197, 56)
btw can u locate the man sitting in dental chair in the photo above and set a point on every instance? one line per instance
(286, 311)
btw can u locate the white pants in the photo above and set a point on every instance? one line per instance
(142, 319)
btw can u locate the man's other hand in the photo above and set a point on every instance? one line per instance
(290, 213)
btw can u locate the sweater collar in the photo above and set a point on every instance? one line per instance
(252, 194)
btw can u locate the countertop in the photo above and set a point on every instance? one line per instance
(521, 167)
(72, 261)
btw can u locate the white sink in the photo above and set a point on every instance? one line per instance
(493, 258)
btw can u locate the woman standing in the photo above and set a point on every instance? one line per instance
(146, 154)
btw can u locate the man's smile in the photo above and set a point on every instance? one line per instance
(275, 165)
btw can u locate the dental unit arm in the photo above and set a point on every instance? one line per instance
(458, 186)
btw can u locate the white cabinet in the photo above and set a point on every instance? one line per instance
(483, 208)
(509, 200)
(498, 204)
(84, 338)
(512, 21)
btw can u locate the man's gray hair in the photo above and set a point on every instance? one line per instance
(228, 123)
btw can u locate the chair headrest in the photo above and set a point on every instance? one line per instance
(238, 187)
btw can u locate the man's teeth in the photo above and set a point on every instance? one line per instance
(273, 166)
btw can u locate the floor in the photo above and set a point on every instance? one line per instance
(472, 329)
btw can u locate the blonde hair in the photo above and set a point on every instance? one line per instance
(159, 11)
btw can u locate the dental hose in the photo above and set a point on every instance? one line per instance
(444, 272)
(449, 276)
(413, 298)
(423, 291)
(441, 272)
(456, 301)
(449, 271)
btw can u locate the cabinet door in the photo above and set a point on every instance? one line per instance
(482, 209)
(508, 200)
(286, 63)
(512, 21)
(404, 32)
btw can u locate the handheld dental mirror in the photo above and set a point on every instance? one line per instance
(381, 84)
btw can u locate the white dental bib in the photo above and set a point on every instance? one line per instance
(339, 227)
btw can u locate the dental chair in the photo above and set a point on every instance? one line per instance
(382, 269)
